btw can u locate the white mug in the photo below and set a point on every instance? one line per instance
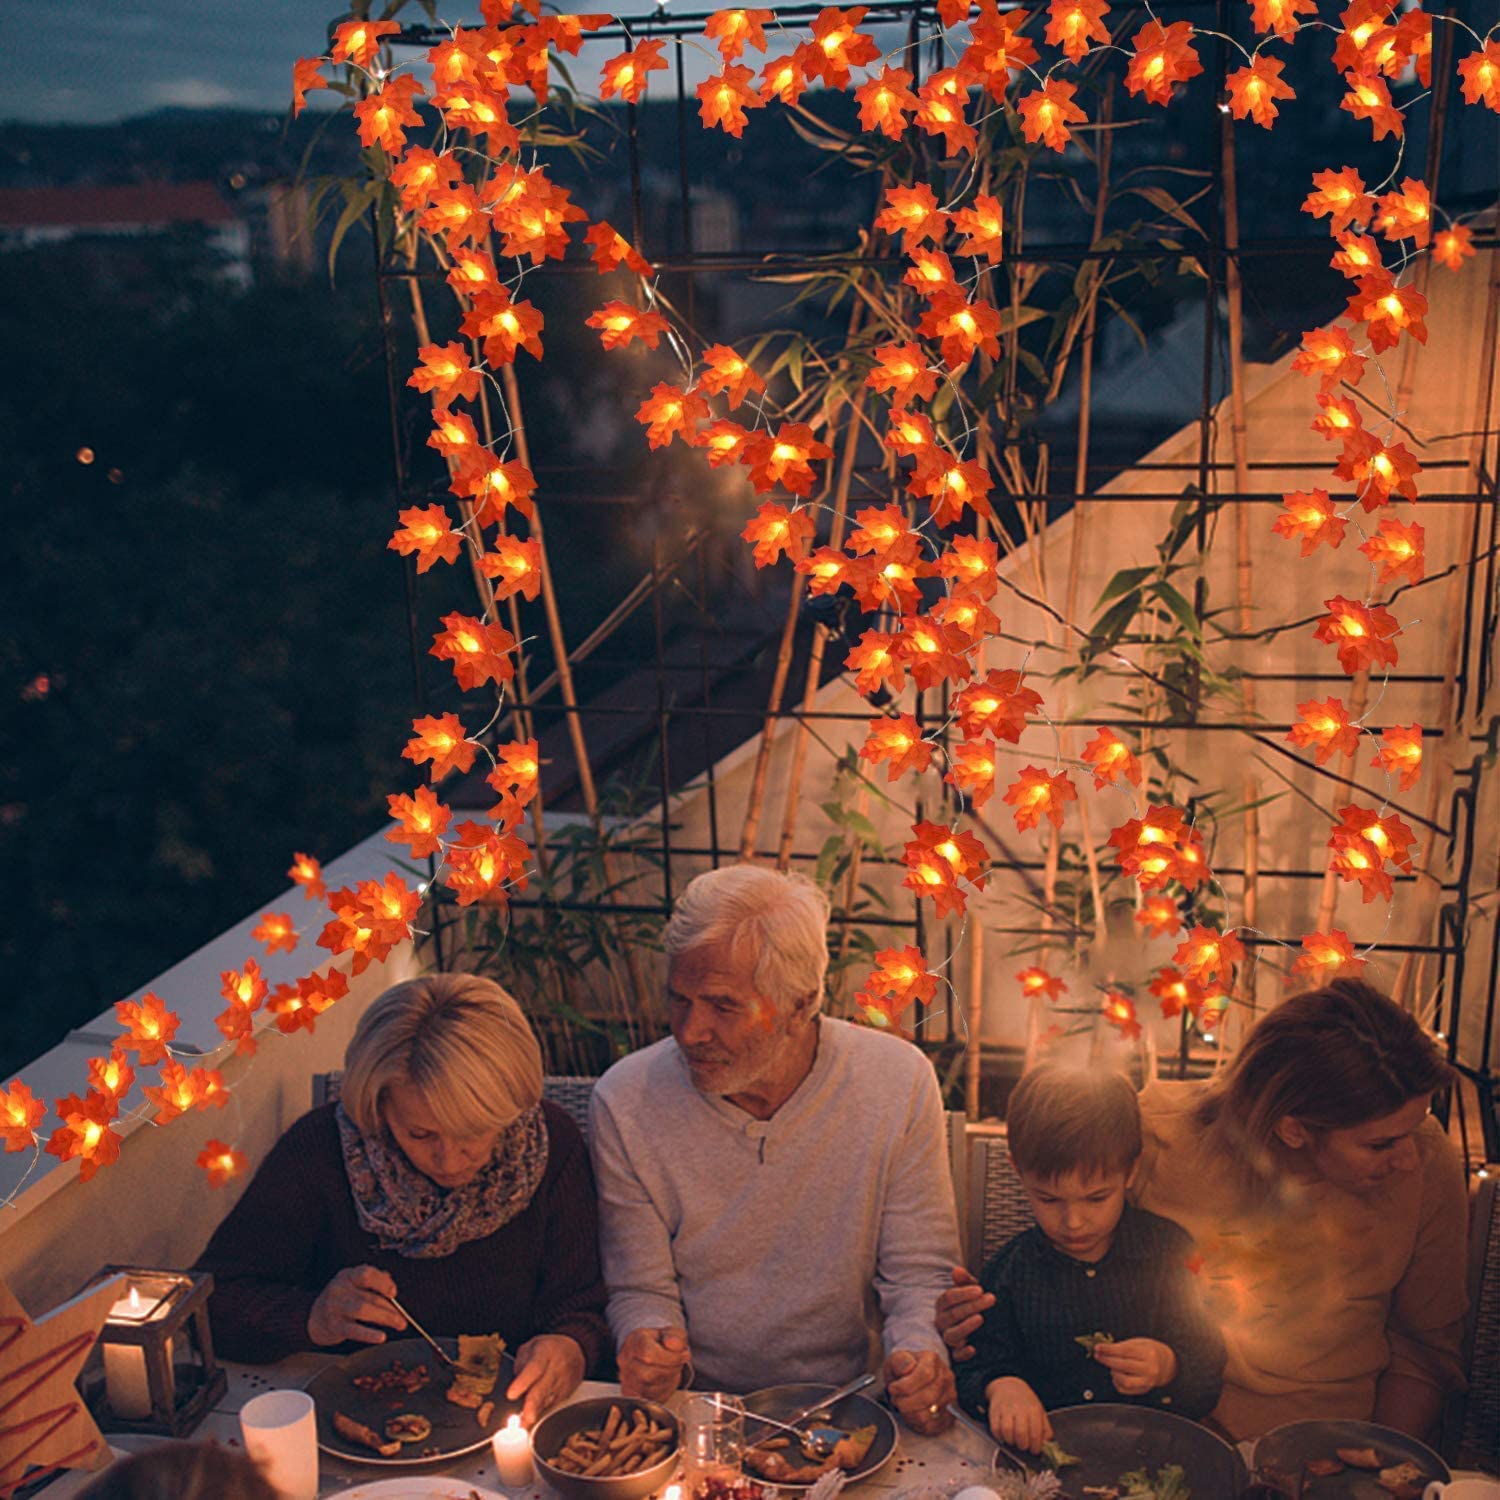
(1463, 1489)
(280, 1429)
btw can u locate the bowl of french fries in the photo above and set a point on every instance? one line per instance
(606, 1448)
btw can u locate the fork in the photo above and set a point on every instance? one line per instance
(436, 1347)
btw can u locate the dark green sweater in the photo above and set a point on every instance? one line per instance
(1045, 1301)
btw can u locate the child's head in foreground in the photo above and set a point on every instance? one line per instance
(1075, 1138)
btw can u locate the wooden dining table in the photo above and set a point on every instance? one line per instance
(958, 1454)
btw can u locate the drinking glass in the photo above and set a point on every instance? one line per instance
(713, 1441)
(280, 1429)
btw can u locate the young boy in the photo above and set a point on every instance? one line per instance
(1096, 1303)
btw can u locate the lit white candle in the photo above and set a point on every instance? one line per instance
(512, 1445)
(125, 1379)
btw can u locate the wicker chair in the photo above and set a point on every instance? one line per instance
(998, 1207)
(571, 1094)
(1478, 1444)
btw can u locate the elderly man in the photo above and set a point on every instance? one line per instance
(774, 1189)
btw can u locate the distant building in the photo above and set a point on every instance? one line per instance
(33, 217)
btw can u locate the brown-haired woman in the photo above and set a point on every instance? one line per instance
(1329, 1213)
(182, 1471)
(440, 1177)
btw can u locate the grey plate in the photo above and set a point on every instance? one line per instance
(454, 1430)
(782, 1401)
(1287, 1449)
(1111, 1439)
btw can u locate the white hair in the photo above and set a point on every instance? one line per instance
(778, 921)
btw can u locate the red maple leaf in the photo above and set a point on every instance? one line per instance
(1329, 353)
(20, 1114)
(972, 564)
(619, 323)
(1208, 955)
(515, 566)
(308, 873)
(1325, 956)
(496, 485)
(779, 532)
(724, 442)
(1401, 751)
(940, 862)
(726, 374)
(962, 327)
(997, 49)
(670, 412)
(150, 1026)
(174, 1093)
(1324, 728)
(627, 74)
(86, 1133)
(504, 326)
(733, 30)
(1453, 246)
(382, 115)
(898, 742)
(1163, 56)
(305, 78)
(445, 372)
(1396, 550)
(901, 371)
(479, 653)
(1364, 635)
(1159, 916)
(1036, 793)
(1073, 24)
(724, 98)
(1309, 516)
(358, 42)
(221, 1162)
(276, 931)
(1253, 91)
(913, 213)
(1407, 214)
(886, 101)
(1119, 1011)
(1037, 981)
(427, 531)
(785, 458)
(950, 486)
(1047, 112)
(1000, 706)
(1110, 757)
(1356, 860)
(1341, 196)
(1389, 310)
(1177, 992)
(836, 46)
(611, 249)
(1370, 99)
(1389, 833)
(971, 768)
(1280, 16)
(941, 110)
(982, 224)
(1480, 75)
(876, 662)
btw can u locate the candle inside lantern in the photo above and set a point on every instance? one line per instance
(125, 1379)
(512, 1445)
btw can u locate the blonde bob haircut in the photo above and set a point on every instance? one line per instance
(775, 924)
(459, 1039)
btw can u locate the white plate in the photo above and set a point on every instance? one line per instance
(417, 1487)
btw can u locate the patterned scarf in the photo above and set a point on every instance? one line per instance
(410, 1214)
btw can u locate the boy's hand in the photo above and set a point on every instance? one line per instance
(1137, 1365)
(1016, 1415)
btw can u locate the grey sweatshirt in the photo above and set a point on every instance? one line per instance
(781, 1245)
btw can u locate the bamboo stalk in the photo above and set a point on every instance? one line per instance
(973, 1058)
(1244, 567)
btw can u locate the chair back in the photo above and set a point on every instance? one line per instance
(1479, 1436)
(998, 1207)
(958, 1165)
(571, 1094)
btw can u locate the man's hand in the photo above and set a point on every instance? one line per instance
(1137, 1365)
(548, 1369)
(350, 1303)
(1017, 1416)
(920, 1386)
(960, 1311)
(652, 1361)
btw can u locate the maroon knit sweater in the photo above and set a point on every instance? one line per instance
(296, 1227)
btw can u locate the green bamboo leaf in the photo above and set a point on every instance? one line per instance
(1186, 615)
(1123, 582)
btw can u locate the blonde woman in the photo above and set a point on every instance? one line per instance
(440, 1177)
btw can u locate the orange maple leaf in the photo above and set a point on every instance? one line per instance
(971, 768)
(724, 442)
(150, 1027)
(427, 531)
(1341, 196)
(1396, 550)
(783, 78)
(1036, 793)
(619, 323)
(670, 412)
(1453, 246)
(931, 272)
(420, 173)
(998, 49)
(358, 42)
(1388, 833)
(504, 326)
(1159, 916)
(276, 931)
(1329, 353)
(86, 1133)
(726, 374)
(479, 653)
(1480, 75)
(910, 434)
(515, 566)
(876, 662)
(112, 1076)
(913, 213)
(1177, 992)
(1389, 310)
(1047, 112)
(382, 115)
(20, 1114)
(886, 101)
(1208, 955)
(836, 46)
(1072, 24)
(1000, 706)
(1324, 728)
(1356, 256)
(962, 327)
(1381, 469)
(612, 249)
(940, 862)
(785, 458)
(1401, 751)
(779, 532)
(1037, 981)
(174, 1093)
(483, 864)
(973, 620)
(1339, 416)
(1356, 860)
(1407, 214)
(305, 78)
(453, 435)
(481, 111)
(950, 486)
(1253, 91)
(1163, 56)
(1364, 635)
(445, 372)
(724, 98)
(441, 741)
(1110, 757)
(1280, 16)
(982, 223)
(494, 486)
(901, 372)
(1325, 956)
(898, 742)
(733, 30)
(423, 821)
(221, 1162)
(1119, 1011)
(627, 74)
(902, 974)
(932, 651)
(472, 273)
(972, 564)
(308, 873)
(941, 106)
(455, 214)
(1370, 99)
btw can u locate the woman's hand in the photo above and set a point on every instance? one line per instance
(1017, 1415)
(1138, 1365)
(350, 1303)
(548, 1369)
(960, 1311)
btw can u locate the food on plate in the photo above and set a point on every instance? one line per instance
(357, 1432)
(1323, 1468)
(1140, 1484)
(769, 1462)
(1404, 1480)
(1091, 1341)
(1359, 1458)
(1055, 1456)
(395, 1377)
(485, 1412)
(408, 1427)
(478, 1368)
(624, 1444)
